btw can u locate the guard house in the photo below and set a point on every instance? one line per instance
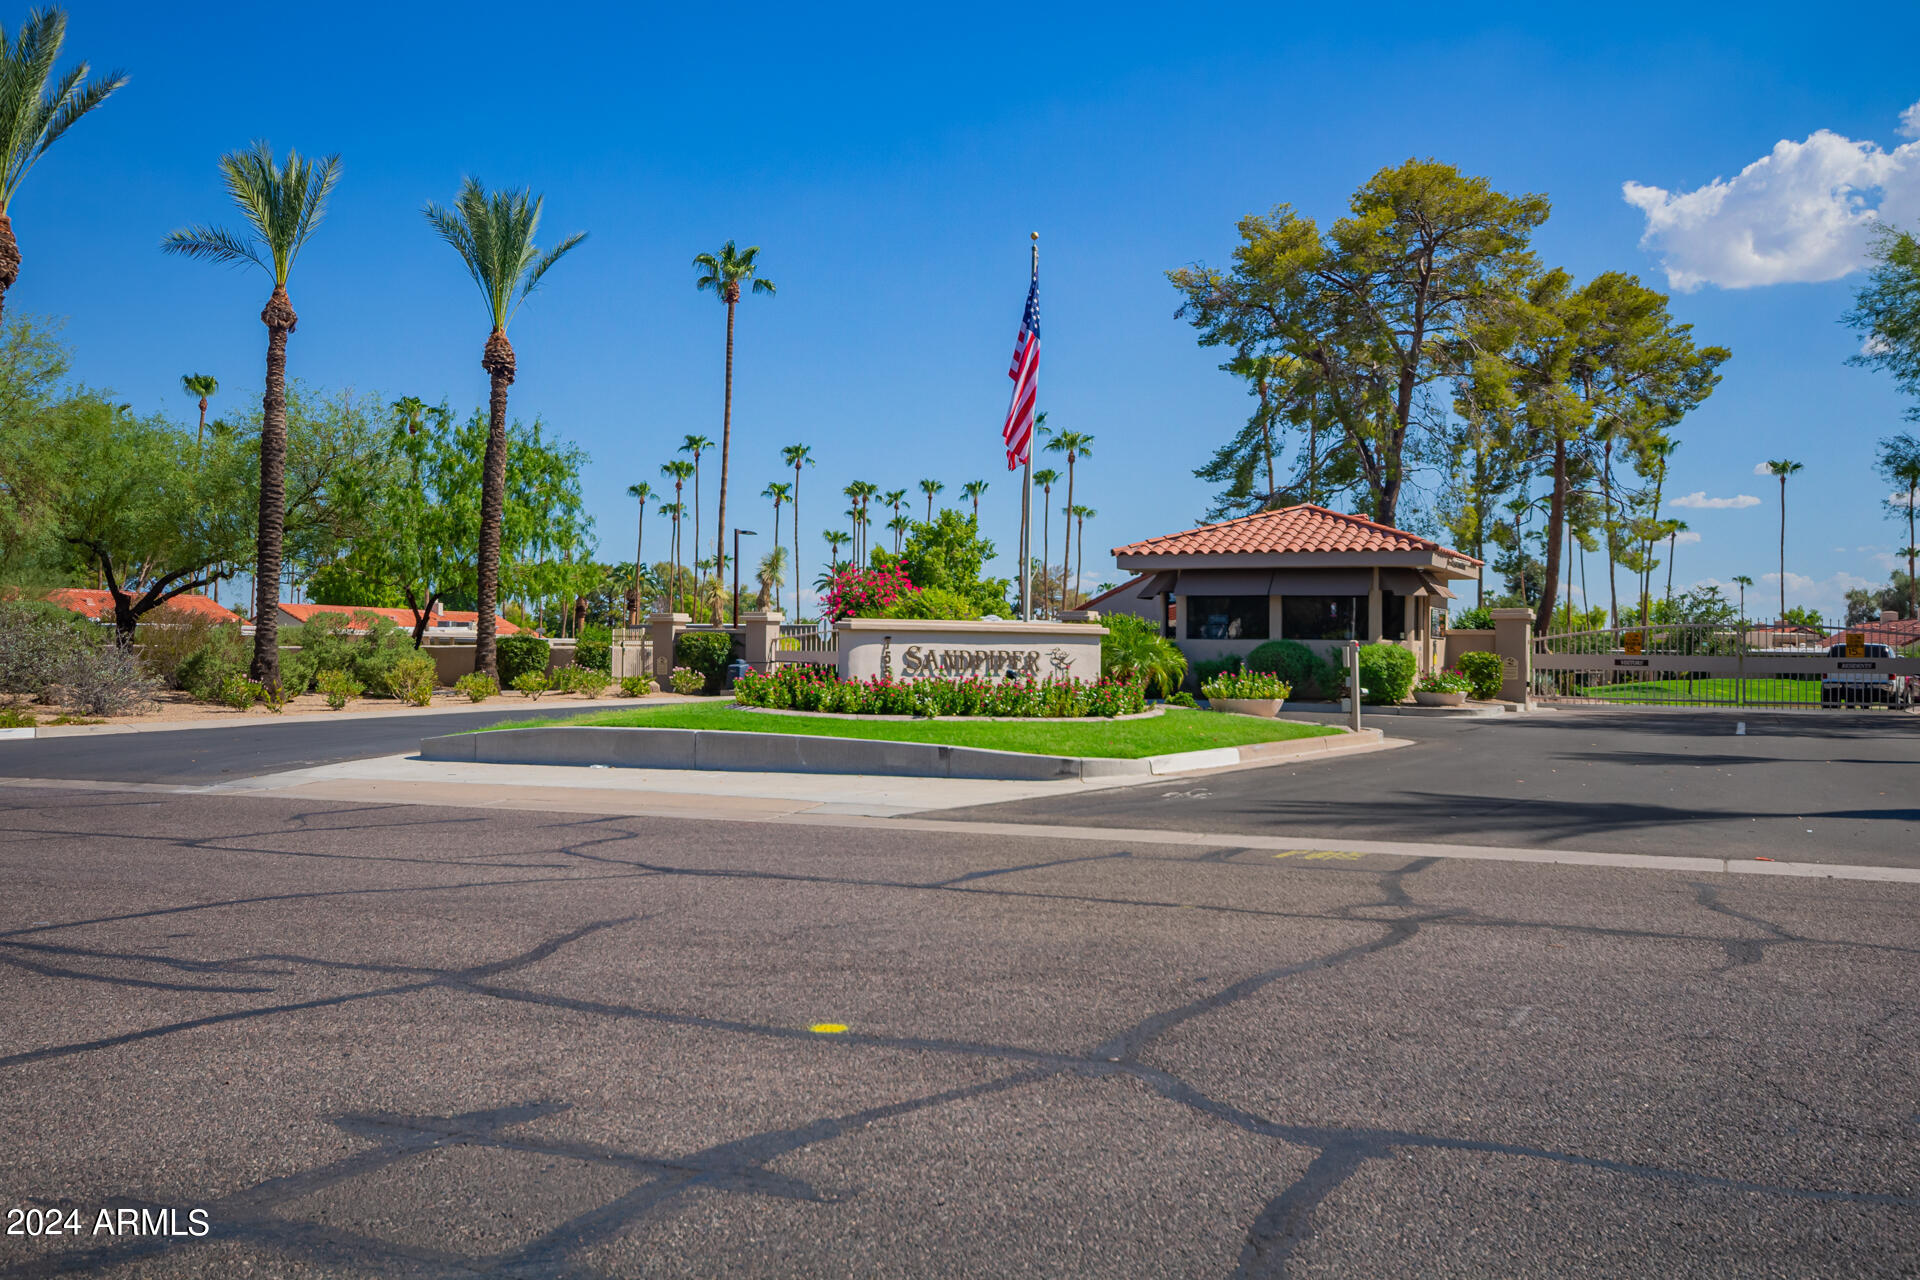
(1301, 573)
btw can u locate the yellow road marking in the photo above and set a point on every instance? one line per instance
(1321, 855)
(828, 1028)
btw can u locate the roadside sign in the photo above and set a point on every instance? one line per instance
(1856, 644)
(1632, 640)
(1630, 662)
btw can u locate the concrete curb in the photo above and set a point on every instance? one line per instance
(805, 753)
(244, 720)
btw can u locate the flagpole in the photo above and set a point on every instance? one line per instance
(1026, 498)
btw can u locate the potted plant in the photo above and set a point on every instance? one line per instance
(1442, 689)
(1247, 693)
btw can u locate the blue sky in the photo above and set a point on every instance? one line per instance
(891, 164)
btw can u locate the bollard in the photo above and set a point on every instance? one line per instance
(1353, 685)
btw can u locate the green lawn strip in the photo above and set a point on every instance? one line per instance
(1177, 730)
(1716, 689)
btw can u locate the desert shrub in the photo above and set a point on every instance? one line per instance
(1133, 649)
(1484, 671)
(1386, 673)
(339, 687)
(276, 697)
(706, 652)
(328, 639)
(10, 718)
(477, 685)
(410, 678)
(636, 686)
(36, 640)
(687, 680)
(375, 654)
(1183, 699)
(517, 655)
(297, 670)
(105, 680)
(934, 603)
(594, 649)
(585, 681)
(531, 683)
(223, 652)
(238, 692)
(170, 635)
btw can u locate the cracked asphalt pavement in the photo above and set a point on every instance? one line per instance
(376, 1040)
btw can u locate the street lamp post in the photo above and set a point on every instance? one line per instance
(736, 569)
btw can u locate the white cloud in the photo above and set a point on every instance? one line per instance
(1686, 537)
(1762, 469)
(1802, 212)
(1699, 500)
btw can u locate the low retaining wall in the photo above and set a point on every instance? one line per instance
(805, 753)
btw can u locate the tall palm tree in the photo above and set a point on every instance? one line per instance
(1076, 445)
(674, 511)
(930, 488)
(677, 471)
(1742, 581)
(1046, 478)
(1674, 529)
(35, 110)
(797, 456)
(835, 540)
(1783, 468)
(1080, 517)
(200, 385)
(640, 493)
(779, 492)
(1899, 462)
(862, 492)
(972, 489)
(1658, 454)
(724, 273)
(493, 234)
(899, 525)
(282, 205)
(696, 445)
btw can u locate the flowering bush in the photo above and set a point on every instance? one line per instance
(1445, 682)
(1245, 684)
(804, 688)
(864, 593)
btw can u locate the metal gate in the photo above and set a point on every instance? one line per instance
(1869, 666)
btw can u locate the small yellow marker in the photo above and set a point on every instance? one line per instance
(828, 1028)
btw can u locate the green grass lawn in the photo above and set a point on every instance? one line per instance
(1177, 730)
(1720, 689)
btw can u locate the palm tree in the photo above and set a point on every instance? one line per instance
(773, 567)
(1783, 468)
(1046, 479)
(973, 489)
(836, 540)
(1659, 457)
(677, 471)
(1674, 529)
(1080, 517)
(674, 511)
(35, 111)
(780, 492)
(1075, 444)
(797, 456)
(200, 385)
(862, 492)
(696, 445)
(493, 234)
(1899, 463)
(639, 493)
(282, 204)
(930, 488)
(899, 525)
(724, 273)
(1742, 581)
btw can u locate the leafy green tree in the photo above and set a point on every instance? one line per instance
(948, 552)
(282, 206)
(1886, 309)
(1899, 465)
(1782, 468)
(1378, 306)
(201, 386)
(725, 274)
(493, 232)
(36, 109)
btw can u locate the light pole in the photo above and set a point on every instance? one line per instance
(736, 569)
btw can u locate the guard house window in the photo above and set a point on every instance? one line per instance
(1393, 616)
(1225, 617)
(1323, 617)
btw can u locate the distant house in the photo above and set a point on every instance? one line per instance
(447, 622)
(1303, 573)
(98, 605)
(1890, 629)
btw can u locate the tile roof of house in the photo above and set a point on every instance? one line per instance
(99, 604)
(1305, 528)
(1899, 633)
(451, 618)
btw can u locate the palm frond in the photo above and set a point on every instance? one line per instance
(212, 244)
(34, 110)
(541, 267)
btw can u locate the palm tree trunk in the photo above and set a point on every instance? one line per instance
(9, 259)
(497, 360)
(1080, 544)
(1046, 533)
(1556, 521)
(799, 574)
(726, 448)
(1670, 545)
(639, 559)
(280, 319)
(1913, 588)
(1066, 552)
(1783, 549)
(200, 435)
(696, 512)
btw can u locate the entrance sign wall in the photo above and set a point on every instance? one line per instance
(910, 649)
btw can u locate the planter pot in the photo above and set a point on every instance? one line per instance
(1268, 707)
(1439, 699)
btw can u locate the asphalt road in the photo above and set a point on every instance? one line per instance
(1796, 787)
(380, 1040)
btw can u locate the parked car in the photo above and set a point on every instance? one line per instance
(1867, 688)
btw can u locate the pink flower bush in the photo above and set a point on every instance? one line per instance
(863, 593)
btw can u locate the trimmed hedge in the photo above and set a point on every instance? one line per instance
(518, 655)
(706, 652)
(1486, 671)
(1298, 665)
(1386, 673)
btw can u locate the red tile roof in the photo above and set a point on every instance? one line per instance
(1898, 633)
(400, 617)
(1305, 528)
(99, 605)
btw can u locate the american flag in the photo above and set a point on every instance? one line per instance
(1025, 372)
